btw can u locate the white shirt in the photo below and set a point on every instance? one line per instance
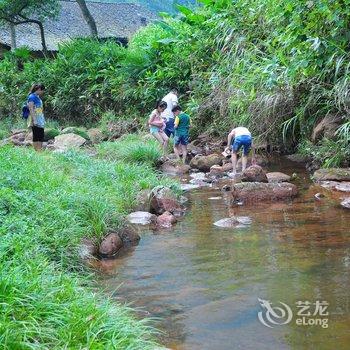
(171, 100)
(241, 131)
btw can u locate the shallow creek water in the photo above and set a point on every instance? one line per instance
(203, 282)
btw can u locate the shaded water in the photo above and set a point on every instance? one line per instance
(204, 282)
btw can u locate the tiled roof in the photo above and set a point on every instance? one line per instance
(119, 20)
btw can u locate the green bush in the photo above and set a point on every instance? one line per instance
(276, 68)
(50, 134)
(78, 131)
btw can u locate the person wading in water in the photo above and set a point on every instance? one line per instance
(240, 137)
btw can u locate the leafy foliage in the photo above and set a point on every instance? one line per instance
(276, 68)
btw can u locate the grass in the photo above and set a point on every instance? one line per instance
(132, 148)
(48, 202)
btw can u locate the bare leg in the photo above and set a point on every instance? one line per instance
(38, 146)
(177, 151)
(234, 162)
(244, 162)
(184, 153)
(158, 137)
(165, 141)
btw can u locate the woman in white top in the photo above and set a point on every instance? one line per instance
(240, 137)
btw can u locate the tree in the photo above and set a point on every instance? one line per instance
(17, 12)
(88, 17)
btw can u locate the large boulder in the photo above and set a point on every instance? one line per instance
(204, 163)
(166, 220)
(194, 150)
(172, 167)
(250, 192)
(143, 200)
(141, 218)
(254, 173)
(164, 199)
(277, 177)
(67, 141)
(110, 245)
(95, 135)
(327, 128)
(332, 174)
(129, 236)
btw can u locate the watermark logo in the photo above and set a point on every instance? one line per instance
(274, 315)
(307, 313)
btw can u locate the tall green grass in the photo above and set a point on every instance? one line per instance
(48, 202)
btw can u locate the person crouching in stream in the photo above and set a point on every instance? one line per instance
(182, 126)
(157, 125)
(238, 138)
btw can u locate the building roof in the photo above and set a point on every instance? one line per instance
(113, 20)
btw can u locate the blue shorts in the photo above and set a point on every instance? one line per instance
(154, 129)
(244, 141)
(181, 139)
(170, 127)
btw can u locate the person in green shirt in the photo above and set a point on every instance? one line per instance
(181, 138)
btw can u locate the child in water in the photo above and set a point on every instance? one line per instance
(182, 126)
(157, 125)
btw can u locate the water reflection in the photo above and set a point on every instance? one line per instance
(204, 282)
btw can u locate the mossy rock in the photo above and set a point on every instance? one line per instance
(50, 134)
(78, 131)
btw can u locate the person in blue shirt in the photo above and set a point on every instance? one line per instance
(36, 119)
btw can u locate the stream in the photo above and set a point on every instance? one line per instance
(203, 283)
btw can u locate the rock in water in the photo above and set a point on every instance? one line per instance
(166, 220)
(237, 221)
(67, 141)
(254, 173)
(110, 245)
(129, 236)
(204, 163)
(164, 199)
(277, 177)
(141, 218)
(250, 192)
(188, 187)
(346, 203)
(332, 174)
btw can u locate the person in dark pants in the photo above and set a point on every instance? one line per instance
(171, 100)
(36, 119)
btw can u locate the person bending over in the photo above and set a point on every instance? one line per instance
(157, 125)
(238, 138)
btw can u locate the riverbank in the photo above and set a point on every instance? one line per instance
(48, 203)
